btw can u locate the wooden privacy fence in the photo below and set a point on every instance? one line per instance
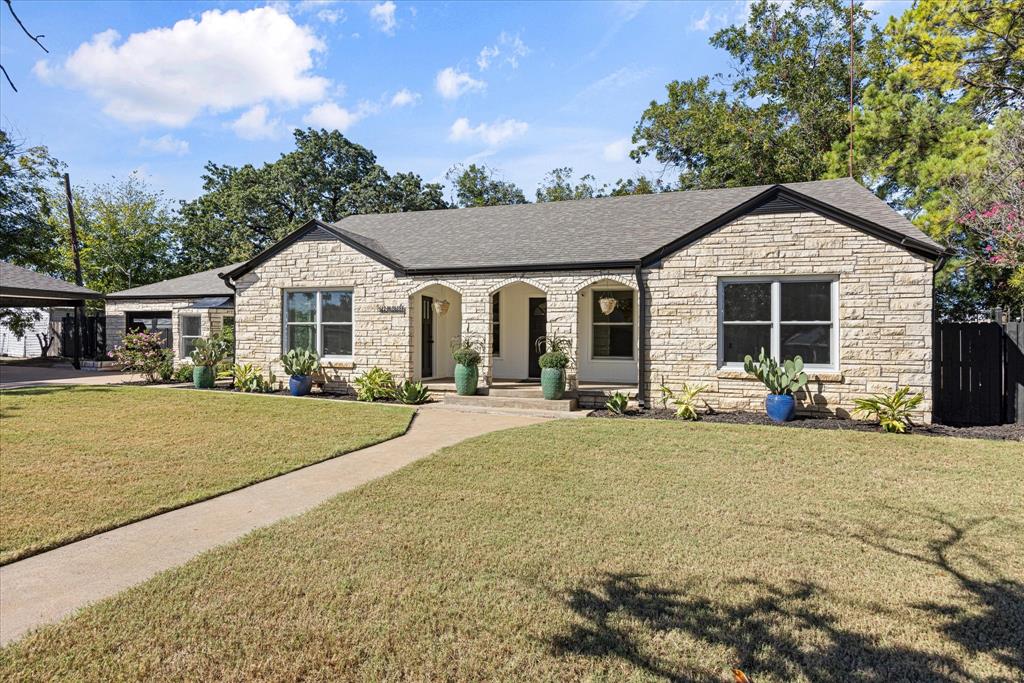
(93, 331)
(978, 372)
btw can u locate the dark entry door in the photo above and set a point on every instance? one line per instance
(538, 328)
(427, 338)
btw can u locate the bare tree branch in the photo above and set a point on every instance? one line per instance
(9, 81)
(33, 38)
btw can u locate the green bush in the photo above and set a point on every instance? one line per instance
(891, 410)
(466, 352)
(554, 359)
(617, 403)
(246, 378)
(143, 352)
(412, 393)
(375, 385)
(300, 362)
(183, 373)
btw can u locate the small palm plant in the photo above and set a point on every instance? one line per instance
(891, 410)
(617, 403)
(685, 401)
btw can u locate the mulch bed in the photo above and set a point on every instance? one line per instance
(1011, 432)
(323, 395)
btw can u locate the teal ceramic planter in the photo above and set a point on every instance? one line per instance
(202, 377)
(552, 383)
(465, 380)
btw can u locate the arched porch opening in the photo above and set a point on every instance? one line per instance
(607, 348)
(517, 317)
(435, 312)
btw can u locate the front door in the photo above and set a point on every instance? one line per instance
(427, 338)
(538, 328)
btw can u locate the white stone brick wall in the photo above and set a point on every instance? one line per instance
(116, 313)
(885, 299)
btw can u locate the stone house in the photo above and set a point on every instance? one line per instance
(183, 309)
(668, 288)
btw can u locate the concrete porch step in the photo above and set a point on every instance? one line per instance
(550, 414)
(510, 403)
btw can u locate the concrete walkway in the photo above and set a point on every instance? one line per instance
(42, 589)
(17, 376)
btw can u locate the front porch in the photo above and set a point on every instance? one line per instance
(586, 395)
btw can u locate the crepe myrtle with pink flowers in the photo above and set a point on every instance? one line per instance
(143, 352)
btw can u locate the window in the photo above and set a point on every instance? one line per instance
(496, 324)
(190, 328)
(787, 317)
(320, 321)
(613, 323)
(151, 322)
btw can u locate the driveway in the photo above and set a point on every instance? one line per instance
(13, 376)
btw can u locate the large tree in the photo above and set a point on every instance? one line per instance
(475, 185)
(558, 186)
(783, 106)
(125, 231)
(245, 209)
(27, 177)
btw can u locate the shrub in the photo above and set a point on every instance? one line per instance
(165, 369)
(466, 352)
(554, 359)
(617, 403)
(685, 401)
(300, 362)
(183, 373)
(209, 352)
(143, 352)
(891, 410)
(780, 379)
(374, 385)
(247, 378)
(412, 393)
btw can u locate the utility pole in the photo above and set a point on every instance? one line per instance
(75, 360)
(850, 162)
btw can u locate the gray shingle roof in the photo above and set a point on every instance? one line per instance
(585, 231)
(205, 283)
(25, 282)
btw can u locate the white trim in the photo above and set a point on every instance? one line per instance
(776, 322)
(317, 323)
(182, 337)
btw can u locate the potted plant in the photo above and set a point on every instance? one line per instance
(466, 354)
(552, 365)
(781, 380)
(206, 354)
(299, 365)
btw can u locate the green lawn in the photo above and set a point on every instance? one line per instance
(78, 460)
(602, 550)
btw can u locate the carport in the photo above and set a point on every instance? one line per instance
(23, 288)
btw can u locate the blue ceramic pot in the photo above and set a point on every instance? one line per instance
(299, 385)
(780, 407)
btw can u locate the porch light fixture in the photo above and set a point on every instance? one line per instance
(607, 304)
(441, 307)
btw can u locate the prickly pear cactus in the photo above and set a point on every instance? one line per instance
(780, 379)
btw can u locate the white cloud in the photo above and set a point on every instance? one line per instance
(224, 61)
(332, 116)
(165, 144)
(404, 97)
(492, 134)
(255, 124)
(509, 45)
(383, 14)
(703, 23)
(452, 83)
(327, 11)
(617, 150)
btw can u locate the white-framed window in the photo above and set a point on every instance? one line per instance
(321, 320)
(190, 328)
(496, 324)
(612, 323)
(787, 316)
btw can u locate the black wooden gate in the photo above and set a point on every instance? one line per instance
(978, 373)
(93, 330)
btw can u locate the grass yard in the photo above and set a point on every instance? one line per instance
(78, 460)
(602, 550)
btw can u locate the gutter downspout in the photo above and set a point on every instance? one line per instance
(641, 363)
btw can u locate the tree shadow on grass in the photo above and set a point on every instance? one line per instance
(784, 632)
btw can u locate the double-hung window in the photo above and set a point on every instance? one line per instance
(496, 324)
(319, 320)
(786, 317)
(612, 323)
(190, 328)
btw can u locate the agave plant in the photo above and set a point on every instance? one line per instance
(891, 410)
(685, 401)
(787, 378)
(617, 403)
(411, 393)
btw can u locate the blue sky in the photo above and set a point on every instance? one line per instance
(162, 87)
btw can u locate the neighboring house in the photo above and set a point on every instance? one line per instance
(183, 309)
(27, 346)
(667, 288)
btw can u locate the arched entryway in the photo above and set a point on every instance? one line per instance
(608, 332)
(518, 316)
(435, 311)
